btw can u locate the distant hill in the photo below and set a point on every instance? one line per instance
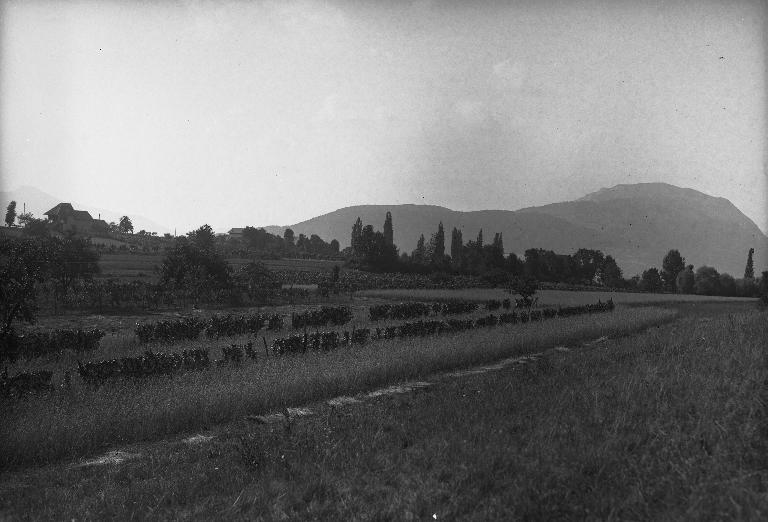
(39, 202)
(637, 224)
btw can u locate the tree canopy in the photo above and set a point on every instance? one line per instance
(10, 214)
(125, 226)
(749, 271)
(672, 264)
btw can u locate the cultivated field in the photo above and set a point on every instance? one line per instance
(76, 419)
(130, 267)
(661, 424)
(547, 297)
(143, 267)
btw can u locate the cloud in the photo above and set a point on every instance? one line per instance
(512, 73)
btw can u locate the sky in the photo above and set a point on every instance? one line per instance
(264, 113)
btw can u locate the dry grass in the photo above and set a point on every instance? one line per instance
(81, 420)
(667, 424)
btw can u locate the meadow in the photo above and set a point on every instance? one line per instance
(546, 297)
(130, 267)
(663, 423)
(78, 419)
(144, 267)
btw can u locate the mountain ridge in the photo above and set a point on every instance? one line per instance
(39, 201)
(635, 223)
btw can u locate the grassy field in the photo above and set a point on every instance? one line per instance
(666, 424)
(79, 420)
(142, 267)
(546, 297)
(301, 265)
(130, 267)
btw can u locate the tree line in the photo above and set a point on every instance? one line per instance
(375, 250)
(677, 276)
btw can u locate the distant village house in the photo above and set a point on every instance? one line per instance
(64, 218)
(236, 233)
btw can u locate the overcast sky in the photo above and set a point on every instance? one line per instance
(264, 113)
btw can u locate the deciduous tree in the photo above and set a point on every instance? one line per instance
(125, 226)
(706, 281)
(672, 265)
(10, 214)
(289, 237)
(23, 263)
(727, 285)
(685, 281)
(609, 274)
(650, 280)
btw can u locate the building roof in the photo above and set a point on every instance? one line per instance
(61, 208)
(66, 209)
(235, 231)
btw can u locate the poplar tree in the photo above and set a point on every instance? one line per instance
(388, 231)
(357, 237)
(419, 253)
(439, 251)
(749, 272)
(456, 246)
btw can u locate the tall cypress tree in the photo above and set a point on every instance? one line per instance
(419, 253)
(357, 237)
(479, 242)
(498, 244)
(389, 234)
(439, 253)
(749, 272)
(456, 246)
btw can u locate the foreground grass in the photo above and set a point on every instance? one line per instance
(79, 420)
(666, 424)
(547, 297)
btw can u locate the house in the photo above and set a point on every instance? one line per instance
(236, 233)
(64, 218)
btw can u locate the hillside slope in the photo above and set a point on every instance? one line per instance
(640, 223)
(637, 224)
(410, 221)
(38, 202)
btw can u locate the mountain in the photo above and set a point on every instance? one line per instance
(642, 222)
(637, 224)
(413, 220)
(39, 202)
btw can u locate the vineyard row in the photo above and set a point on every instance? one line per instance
(155, 363)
